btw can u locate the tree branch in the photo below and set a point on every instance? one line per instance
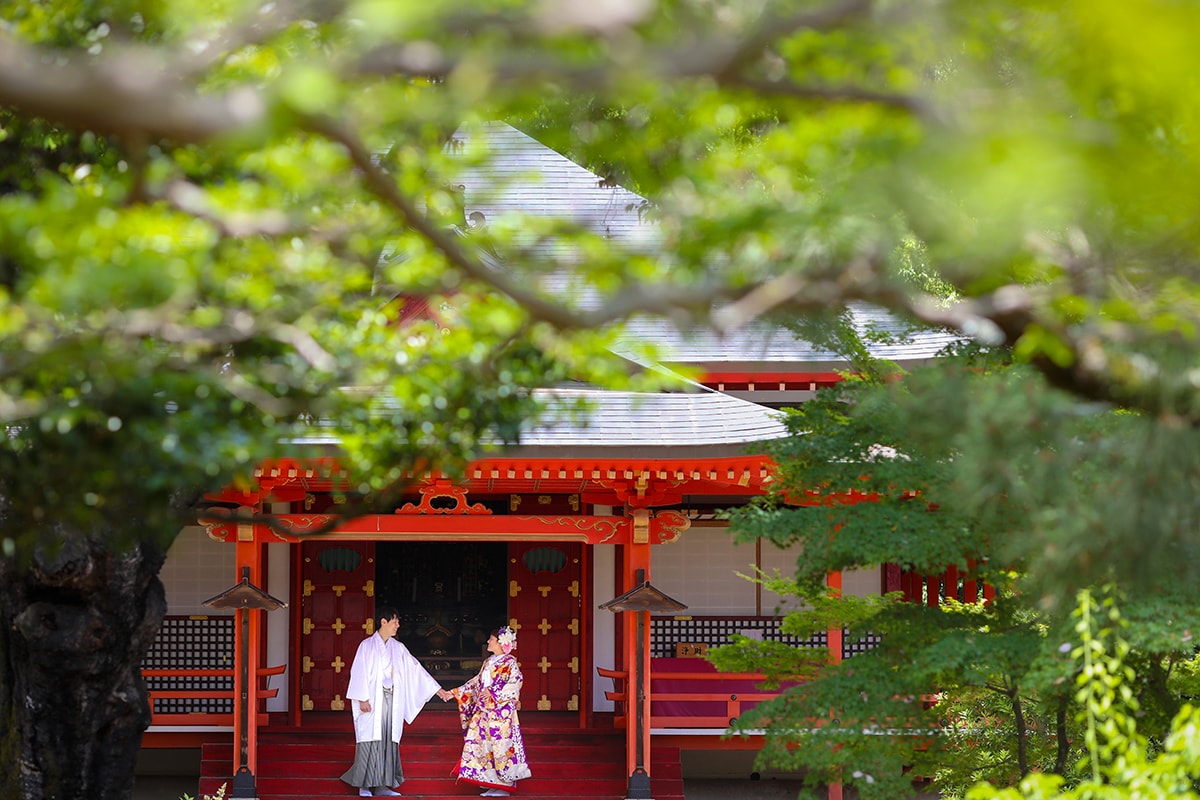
(194, 201)
(256, 28)
(134, 91)
(631, 299)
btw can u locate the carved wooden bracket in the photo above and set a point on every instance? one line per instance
(443, 497)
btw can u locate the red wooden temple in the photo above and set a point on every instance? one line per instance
(539, 539)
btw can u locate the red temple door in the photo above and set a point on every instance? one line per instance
(337, 607)
(545, 601)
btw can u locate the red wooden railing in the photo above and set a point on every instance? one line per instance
(202, 717)
(669, 708)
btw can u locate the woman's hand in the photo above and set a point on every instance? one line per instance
(445, 695)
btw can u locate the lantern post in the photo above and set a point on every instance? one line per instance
(641, 600)
(243, 598)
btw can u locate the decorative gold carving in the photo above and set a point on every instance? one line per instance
(307, 665)
(514, 588)
(544, 665)
(544, 626)
(670, 525)
(308, 626)
(338, 626)
(573, 501)
(306, 522)
(516, 626)
(306, 703)
(641, 525)
(573, 703)
(309, 500)
(574, 627)
(514, 502)
(308, 587)
(338, 590)
(337, 703)
(606, 527)
(444, 490)
(574, 589)
(544, 590)
(337, 665)
(543, 704)
(545, 499)
(218, 531)
(574, 664)
(369, 626)
(369, 588)
(245, 532)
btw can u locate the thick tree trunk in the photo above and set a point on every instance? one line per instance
(1018, 711)
(74, 627)
(1062, 736)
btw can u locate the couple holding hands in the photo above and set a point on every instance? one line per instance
(389, 687)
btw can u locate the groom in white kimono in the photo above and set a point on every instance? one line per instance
(388, 687)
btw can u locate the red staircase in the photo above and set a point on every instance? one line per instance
(567, 762)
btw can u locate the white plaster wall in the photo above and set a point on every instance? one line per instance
(856, 583)
(861, 582)
(197, 568)
(700, 569)
(774, 559)
(277, 622)
(604, 571)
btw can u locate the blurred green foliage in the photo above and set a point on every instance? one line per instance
(205, 209)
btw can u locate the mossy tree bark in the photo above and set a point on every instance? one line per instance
(75, 623)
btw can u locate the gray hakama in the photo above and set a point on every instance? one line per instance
(377, 764)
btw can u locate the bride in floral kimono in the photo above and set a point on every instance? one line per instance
(493, 755)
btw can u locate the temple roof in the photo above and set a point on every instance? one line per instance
(525, 177)
(767, 346)
(615, 424)
(674, 420)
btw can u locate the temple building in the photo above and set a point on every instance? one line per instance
(620, 505)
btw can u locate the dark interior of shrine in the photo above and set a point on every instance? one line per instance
(450, 596)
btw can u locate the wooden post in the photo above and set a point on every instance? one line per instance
(637, 653)
(834, 641)
(247, 652)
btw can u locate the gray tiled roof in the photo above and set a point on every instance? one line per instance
(630, 422)
(524, 177)
(772, 347)
(705, 419)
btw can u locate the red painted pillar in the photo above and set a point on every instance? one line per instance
(637, 656)
(971, 586)
(249, 555)
(834, 641)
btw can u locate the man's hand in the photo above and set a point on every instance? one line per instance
(364, 706)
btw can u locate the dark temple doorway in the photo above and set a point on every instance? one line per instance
(450, 596)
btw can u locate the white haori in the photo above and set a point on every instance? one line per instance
(412, 686)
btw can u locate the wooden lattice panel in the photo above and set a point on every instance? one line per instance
(192, 643)
(666, 633)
